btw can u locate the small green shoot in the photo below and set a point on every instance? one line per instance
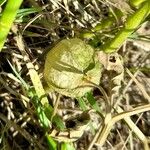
(93, 102)
(52, 145)
(82, 103)
(27, 11)
(67, 146)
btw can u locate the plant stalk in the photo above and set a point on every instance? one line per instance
(130, 26)
(7, 18)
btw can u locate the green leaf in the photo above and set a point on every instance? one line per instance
(51, 143)
(27, 11)
(59, 122)
(93, 102)
(40, 110)
(67, 146)
(56, 119)
(82, 104)
(25, 85)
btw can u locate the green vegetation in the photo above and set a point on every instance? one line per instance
(7, 18)
(50, 98)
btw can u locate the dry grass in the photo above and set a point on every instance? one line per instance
(61, 19)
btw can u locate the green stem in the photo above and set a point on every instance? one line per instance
(130, 26)
(7, 18)
(136, 3)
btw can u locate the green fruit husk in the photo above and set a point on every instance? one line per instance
(69, 65)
